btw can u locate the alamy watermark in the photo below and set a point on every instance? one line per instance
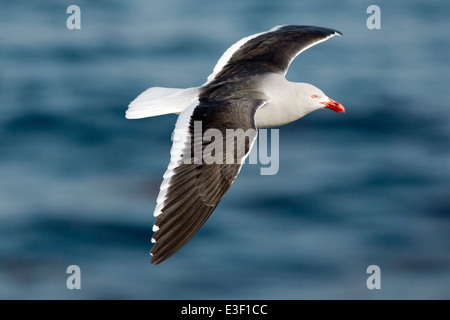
(74, 20)
(374, 21)
(74, 280)
(233, 146)
(374, 280)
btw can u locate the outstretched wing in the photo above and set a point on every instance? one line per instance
(201, 168)
(271, 51)
(193, 185)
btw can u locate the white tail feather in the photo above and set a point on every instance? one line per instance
(158, 101)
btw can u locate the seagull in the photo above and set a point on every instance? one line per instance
(247, 90)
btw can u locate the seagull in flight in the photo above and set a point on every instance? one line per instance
(247, 90)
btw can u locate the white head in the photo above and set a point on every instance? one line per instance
(289, 101)
(310, 98)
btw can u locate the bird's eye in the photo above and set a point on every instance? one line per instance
(314, 96)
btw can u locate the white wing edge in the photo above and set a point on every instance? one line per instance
(313, 44)
(231, 50)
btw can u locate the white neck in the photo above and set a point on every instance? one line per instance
(283, 106)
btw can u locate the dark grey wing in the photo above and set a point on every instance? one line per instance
(271, 51)
(193, 184)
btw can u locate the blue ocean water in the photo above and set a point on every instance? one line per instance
(78, 182)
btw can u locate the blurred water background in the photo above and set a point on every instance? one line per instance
(78, 182)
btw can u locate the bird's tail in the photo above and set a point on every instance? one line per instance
(157, 101)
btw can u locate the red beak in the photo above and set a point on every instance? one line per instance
(334, 105)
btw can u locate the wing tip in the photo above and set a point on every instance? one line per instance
(155, 260)
(156, 257)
